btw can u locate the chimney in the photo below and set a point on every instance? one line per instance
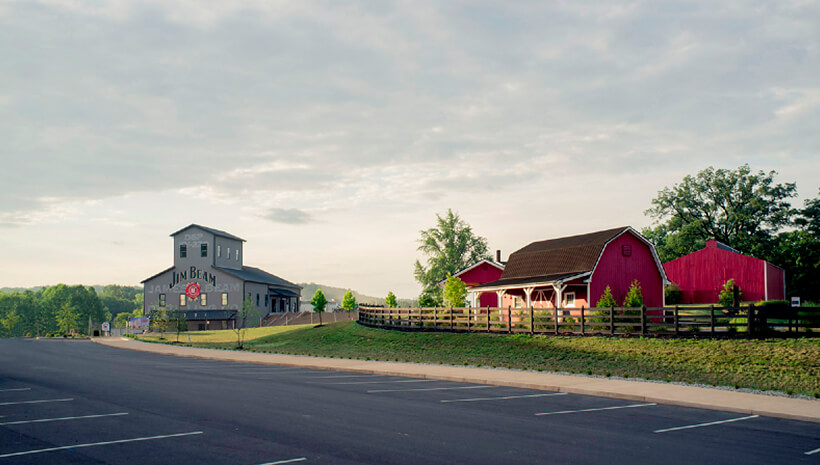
(498, 256)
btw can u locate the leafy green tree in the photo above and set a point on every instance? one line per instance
(606, 300)
(455, 292)
(427, 300)
(67, 318)
(798, 252)
(177, 322)
(737, 207)
(726, 297)
(449, 246)
(634, 297)
(319, 301)
(672, 294)
(247, 315)
(160, 321)
(10, 321)
(348, 301)
(390, 301)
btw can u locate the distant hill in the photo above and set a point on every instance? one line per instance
(337, 293)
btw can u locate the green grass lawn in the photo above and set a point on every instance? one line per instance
(224, 336)
(789, 365)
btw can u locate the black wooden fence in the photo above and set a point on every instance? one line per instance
(685, 321)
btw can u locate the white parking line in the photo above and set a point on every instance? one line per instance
(699, 425)
(300, 459)
(15, 389)
(46, 420)
(433, 389)
(93, 444)
(812, 452)
(478, 399)
(380, 382)
(598, 409)
(347, 376)
(42, 401)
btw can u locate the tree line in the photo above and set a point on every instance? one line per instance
(64, 309)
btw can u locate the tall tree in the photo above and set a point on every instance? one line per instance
(67, 318)
(798, 252)
(390, 301)
(245, 318)
(348, 301)
(449, 246)
(319, 302)
(455, 292)
(737, 207)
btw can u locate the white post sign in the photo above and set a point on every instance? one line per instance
(795, 301)
(106, 326)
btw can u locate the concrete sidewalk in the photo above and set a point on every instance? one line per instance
(671, 394)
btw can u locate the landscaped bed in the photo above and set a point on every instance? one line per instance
(786, 365)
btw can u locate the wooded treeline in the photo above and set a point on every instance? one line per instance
(65, 309)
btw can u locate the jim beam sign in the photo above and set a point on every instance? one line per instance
(192, 274)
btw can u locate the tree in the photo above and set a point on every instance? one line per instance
(606, 300)
(798, 252)
(319, 301)
(348, 301)
(390, 300)
(248, 313)
(737, 207)
(634, 297)
(726, 297)
(67, 318)
(450, 246)
(9, 322)
(178, 323)
(455, 292)
(160, 321)
(427, 300)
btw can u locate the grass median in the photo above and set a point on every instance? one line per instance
(791, 366)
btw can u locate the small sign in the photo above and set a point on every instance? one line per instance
(106, 326)
(193, 290)
(795, 301)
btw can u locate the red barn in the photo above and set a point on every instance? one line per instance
(702, 274)
(574, 271)
(480, 273)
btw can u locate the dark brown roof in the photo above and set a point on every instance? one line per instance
(554, 257)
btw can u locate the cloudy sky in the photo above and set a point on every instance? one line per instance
(329, 134)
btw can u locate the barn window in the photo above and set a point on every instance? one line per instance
(626, 250)
(569, 299)
(219, 250)
(203, 250)
(182, 300)
(224, 298)
(183, 250)
(203, 299)
(162, 300)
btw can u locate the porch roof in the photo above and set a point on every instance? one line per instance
(535, 281)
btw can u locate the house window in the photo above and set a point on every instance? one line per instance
(203, 250)
(182, 300)
(203, 299)
(183, 250)
(626, 250)
(162, 300)
(228, 255)
(518, 302)
(266, 301)
(237, 254)
(569, 299)
(218, 250)
(257, 300)
(224, 298)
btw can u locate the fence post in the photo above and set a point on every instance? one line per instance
(469, 318)
(488, 318)
(643, 320)
(582, 320)
(611, 321)
(555, 319)
(451, 318)
(677, 322)
(532, 321)
(509, 319)
(750, 321)
(435, 317)
(712, 320)
(421, 318)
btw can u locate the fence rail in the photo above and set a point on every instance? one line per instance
(707, 321)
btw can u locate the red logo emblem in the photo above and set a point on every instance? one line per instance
(192, 290)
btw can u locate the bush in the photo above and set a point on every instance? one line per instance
(768, 303)
(672, 293)
(607, 300)
(726, 297)
(634, 298)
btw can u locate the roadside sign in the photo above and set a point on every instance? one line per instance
(106, 326)
(795, 301)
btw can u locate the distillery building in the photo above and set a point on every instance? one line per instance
(209, 282)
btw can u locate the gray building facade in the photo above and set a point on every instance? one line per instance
(209, 282)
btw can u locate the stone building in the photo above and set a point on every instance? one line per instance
(209, 282)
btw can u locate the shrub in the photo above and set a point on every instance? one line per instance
(634, 298)
(606, 300)
(726, 297)
(672, 293)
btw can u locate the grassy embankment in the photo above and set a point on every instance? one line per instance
(791, 366)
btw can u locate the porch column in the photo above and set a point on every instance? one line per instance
(528, 293)
(500, 295)
(559, 294)
(472, 300)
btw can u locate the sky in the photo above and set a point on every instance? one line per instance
(328, 134)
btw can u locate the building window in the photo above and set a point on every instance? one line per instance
(237, 254)
(569, 299)
(218, 250)
(224, 298)
(183, 250)
(266, 301)
(228, 255)
(182, 300)
(162, 300)
(203, 299)
(203, 250)
(257, 300)
(626, 250)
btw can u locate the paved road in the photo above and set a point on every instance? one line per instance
(79, 402)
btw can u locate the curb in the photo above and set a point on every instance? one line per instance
(681, 396)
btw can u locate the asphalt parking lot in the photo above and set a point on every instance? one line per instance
(78, 402)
